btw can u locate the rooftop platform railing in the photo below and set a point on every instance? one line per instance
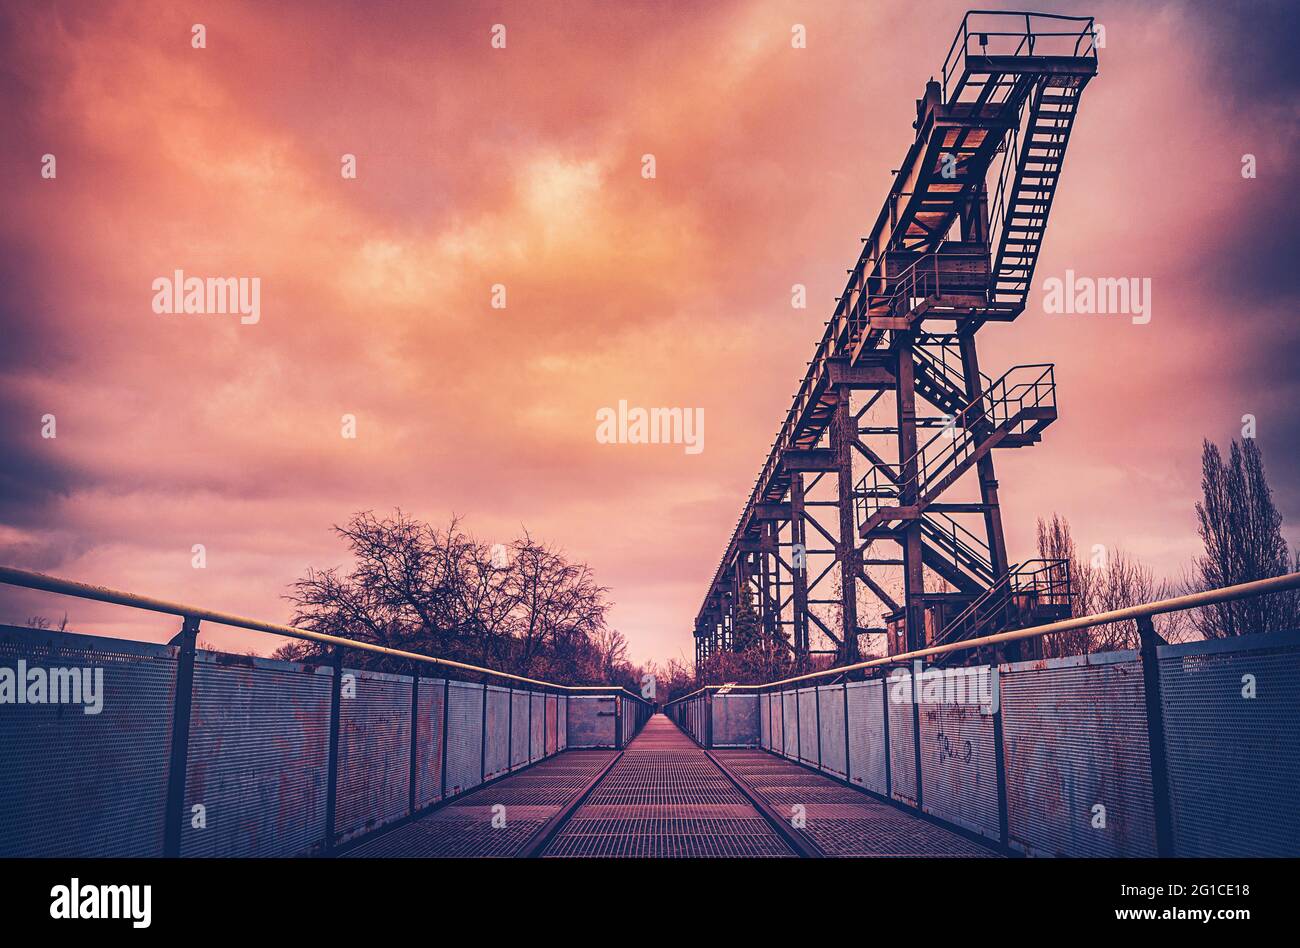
(1012, 33)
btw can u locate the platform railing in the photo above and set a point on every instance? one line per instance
(628, 710)
(1188, 749)
(1014, 33)
(1001, 405)
(1142, 613)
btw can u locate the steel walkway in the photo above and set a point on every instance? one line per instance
(665, 797)
(841, 820)
(501, 818)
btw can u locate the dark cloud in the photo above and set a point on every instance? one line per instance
(1254, 44)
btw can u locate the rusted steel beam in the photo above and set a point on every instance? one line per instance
(910, 532)
(809, 460)
(799, 571)
(764, 544)
(841, 375)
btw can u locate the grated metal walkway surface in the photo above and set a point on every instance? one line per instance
(842, 821)
(465, 827)
(665, 798)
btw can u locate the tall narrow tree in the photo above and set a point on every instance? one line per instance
(1242, 532)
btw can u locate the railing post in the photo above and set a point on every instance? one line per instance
(332, 768)
(510, 727)
(884, 694)
(1156, 737)
(482, 735)
(708, 719)
(916, 735)
(999, 756)
(848, 771)
(817, 719)
(446, 715)
(415, 729)
(618, 724)
(180, 744)
(798, 725)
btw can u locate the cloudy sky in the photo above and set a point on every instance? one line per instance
(522, 166)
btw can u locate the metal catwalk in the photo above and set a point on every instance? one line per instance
(666, 797)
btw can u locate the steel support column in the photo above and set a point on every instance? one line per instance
(799, 565)
(910, 531)
(843, 432)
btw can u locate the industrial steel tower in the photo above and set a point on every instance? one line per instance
(892, 433)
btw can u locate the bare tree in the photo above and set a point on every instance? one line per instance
(44, 624)
(1242, 532)
(441, 592)
(1106, 581)
(610, 653)
(1056, 543)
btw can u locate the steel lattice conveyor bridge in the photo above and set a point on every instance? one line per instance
(852, 467)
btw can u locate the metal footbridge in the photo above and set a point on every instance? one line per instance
(191, 752)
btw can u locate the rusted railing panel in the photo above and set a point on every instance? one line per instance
(537, 726)
(806, 701)
(735, 720)
(428, 742)
(464, 737)
(496, 742)
(902, 738)
(959, 767)
(552, 723)
(790, 719)
(374, 751)
(519, 729)
(1077, 760)
(866, 726)
(1232, 731)
(591, 721)
(258, 758)
(831, 724)
(51, 802)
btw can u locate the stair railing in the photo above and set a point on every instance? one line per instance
(1002, 405)
(945, 532)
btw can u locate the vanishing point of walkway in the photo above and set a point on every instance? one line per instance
(665, 797)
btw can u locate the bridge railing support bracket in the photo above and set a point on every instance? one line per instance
(178, 763)
(1160, 794)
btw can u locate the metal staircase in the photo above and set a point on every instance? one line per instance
(1012, 412)
(1021, 209)
(938, 382)
(1033, 591)
(964, 551)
